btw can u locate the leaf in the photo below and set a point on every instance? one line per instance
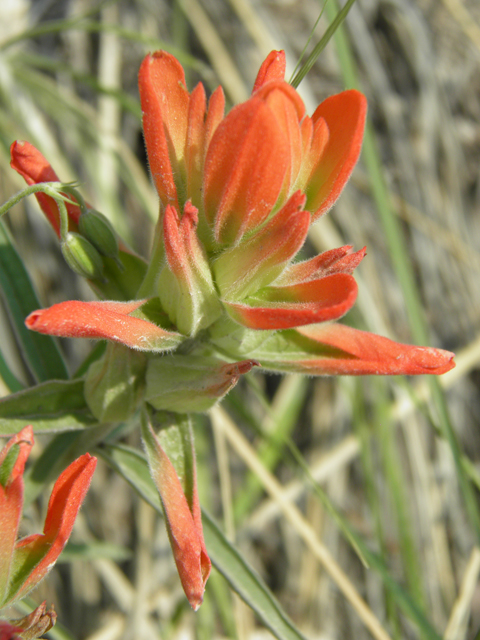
(56, 405)
(41, 352)
(242, 578)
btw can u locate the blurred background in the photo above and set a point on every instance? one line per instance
(382, 450)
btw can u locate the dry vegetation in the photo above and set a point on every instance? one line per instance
(378, 456)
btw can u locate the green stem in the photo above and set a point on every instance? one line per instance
(15, 199)
(148, 287)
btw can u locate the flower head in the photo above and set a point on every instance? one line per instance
(237, 196)
(223, 292)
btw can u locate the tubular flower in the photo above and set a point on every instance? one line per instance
(25, 562)
(222, 292)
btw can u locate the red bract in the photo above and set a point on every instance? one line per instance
(183, 515)
(25, 562)
(255, 157)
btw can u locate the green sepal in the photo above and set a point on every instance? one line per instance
(185, 285)
(82, 257)
(24, 561)
(114, 384)
(283, 349)
(98, 229)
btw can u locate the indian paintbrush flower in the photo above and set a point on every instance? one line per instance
(222, 292)
(25, 562)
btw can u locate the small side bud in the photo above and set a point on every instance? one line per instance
(98, 230)
(82, 257)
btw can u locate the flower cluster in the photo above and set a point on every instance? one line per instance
(222, 291)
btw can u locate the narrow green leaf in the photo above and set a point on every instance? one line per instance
(41, 352)
(242, 578)
(246, 582)
(56, 405)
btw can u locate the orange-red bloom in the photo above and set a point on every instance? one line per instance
(223, 292)
(237, 193)
(25, 562)
(253, 159)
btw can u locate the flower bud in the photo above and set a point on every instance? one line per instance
(82, 257)
(97, 228)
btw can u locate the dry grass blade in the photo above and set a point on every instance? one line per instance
(292, 514)
(456, 628)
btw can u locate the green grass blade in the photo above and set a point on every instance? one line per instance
(396, 483)
(246, 582)
(404, 600)
(41, 352)
(320, 46)
(44, 63)
(133, 467)
(364, 433)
